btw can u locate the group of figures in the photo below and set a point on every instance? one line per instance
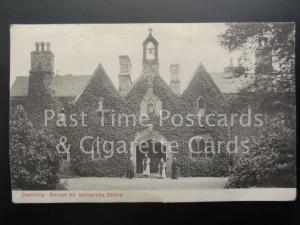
(161, 168)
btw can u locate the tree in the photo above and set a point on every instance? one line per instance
(280, 96)
(244, 36)
(281, 36)
(33, 156)
(271, 160)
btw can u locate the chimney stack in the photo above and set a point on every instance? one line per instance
(175, 78)
(37, 46)
(125, 65)
(42, 46)
(42, 60)
(48, 46)
(125, 74)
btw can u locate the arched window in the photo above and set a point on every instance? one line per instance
(201, 105)
(198, 146)
(150, 108)
(209, 149)
(202, 147)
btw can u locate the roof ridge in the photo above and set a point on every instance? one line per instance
(201, 71)
(142, 76)
(99, 68)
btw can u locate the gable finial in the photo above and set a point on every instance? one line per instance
(150, 30)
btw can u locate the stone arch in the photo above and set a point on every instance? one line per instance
(146, 135)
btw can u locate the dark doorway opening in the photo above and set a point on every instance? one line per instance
(155, 151)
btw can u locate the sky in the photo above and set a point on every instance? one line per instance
(79, 48)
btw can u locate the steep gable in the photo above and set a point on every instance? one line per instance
(160, 88)
(98, 88)
(202, 85)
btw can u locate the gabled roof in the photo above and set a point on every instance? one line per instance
(99, 72)
(229, 84)
(160, 89)
(73, 85)
(203, 85)
(150, 38)
(147, 71)
(202, 74)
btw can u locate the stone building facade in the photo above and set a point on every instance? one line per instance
(147, 95)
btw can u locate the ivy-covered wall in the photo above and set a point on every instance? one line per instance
(101, 86)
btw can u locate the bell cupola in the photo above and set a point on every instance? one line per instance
(150, 51)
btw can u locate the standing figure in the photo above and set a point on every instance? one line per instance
(162, 168)
(174, 168)
(146, 165)
(130, 169)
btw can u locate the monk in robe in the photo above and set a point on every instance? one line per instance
(162, 168)
(174, 168)
(130, 169)
(146, 165)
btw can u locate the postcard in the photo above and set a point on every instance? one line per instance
(153, 112)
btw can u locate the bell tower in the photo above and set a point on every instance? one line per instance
(150, 51)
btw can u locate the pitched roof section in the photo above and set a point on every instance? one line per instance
(72, 85)
(20, 87)
(62, 86)
(150, 38)
(100, 73)
(160, 88)
(68, 85)
(202, 85)
(229, 84)
(148, 71)
(202, 74)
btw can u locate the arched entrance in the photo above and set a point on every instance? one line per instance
(155, 145)
(155, 151)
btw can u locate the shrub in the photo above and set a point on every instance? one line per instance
(111, 167)
(34, 159)
(208, 167)
(270, 161)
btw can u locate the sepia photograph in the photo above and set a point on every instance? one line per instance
(152, 112)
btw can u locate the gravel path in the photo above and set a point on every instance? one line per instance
(108, 183)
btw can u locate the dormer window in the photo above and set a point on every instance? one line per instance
(201, 106)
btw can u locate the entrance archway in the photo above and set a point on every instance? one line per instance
(155, 151)
(155, 145)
